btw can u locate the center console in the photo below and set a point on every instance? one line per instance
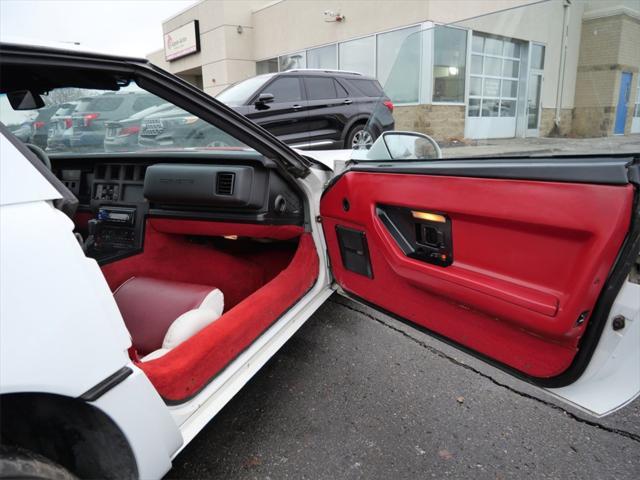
(118, 208)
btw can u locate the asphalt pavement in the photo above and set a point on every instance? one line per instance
(356, 394)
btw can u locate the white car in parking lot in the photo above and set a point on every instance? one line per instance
(141, 290)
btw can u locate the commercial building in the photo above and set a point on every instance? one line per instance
(562, 67)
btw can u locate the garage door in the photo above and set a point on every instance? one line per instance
(493, 87)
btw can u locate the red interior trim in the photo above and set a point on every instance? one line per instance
(220, 229)
(186, 369)
(529, 258)
(236, 272)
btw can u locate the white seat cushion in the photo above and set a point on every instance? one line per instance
(190, 323)
(162, 314)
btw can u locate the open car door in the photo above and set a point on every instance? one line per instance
(528, 262)
(519, 261)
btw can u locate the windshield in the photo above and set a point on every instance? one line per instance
(84, 121)
(241, 92)
(543, 79)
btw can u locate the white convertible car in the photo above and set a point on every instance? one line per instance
(141, 290)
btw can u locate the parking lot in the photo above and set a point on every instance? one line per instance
(356, 394)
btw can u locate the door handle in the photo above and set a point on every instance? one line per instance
(297, 107)
(348, 102)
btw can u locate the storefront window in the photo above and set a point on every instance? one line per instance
(449, 65)
(359, 55)
(537, 56)
(292, 61)
(267, 66)
(398, 64)
(323, 57)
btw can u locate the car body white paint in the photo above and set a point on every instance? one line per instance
(612, 379)
(195, 413)
(49, 286)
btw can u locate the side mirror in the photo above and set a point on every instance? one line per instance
(25, 100)
(263, 99)
(403, 146)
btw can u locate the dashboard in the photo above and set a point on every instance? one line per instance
(117, 195)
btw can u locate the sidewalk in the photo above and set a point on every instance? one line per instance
(544, 146)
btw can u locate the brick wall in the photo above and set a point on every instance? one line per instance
(442, 122)
(547, 122)
(608, 47)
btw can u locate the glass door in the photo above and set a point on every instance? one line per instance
(533, 104)
(534, 89)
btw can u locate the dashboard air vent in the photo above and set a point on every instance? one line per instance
(224, 183)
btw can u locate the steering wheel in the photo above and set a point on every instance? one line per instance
(43, 157)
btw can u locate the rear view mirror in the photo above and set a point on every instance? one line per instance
(404, 146)
(25, 100)
(263, 99)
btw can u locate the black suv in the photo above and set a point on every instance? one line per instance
(93, 113)
(313, 109)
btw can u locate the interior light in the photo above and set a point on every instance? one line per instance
(453, 71)
(431, 217)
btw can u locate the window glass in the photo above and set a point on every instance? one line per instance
(475, 86)
(450, 57)
(65, 109)
(267, 66)
(240, 93)
(474, 107)
(284, 89)
(368, 88)
(507, 108)
(499, 78)
(493, 46)
(341, 92)
(490, 107)
(144, 102)
(537, 56)
(511, 49)
(323, 57)
(493, 66)
(93, 127)
(107, 103)
(320, 88)
(477, 44)
(358, 55)
(509, 88)
(511, 68)
(491, 87)
(292, 61)
(83, 104)
(476, 64)
(398, 64)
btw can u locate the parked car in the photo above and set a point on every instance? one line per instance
(22, 131)
(61, 127)
(92, 114)
(40, 126)
(175, 128)
(307, 109)
(196, 265)
(122, 135)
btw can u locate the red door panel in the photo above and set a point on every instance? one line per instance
(530, 259)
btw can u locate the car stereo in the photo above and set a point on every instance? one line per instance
(123, 216)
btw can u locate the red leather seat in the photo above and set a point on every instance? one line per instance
(161, 314)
